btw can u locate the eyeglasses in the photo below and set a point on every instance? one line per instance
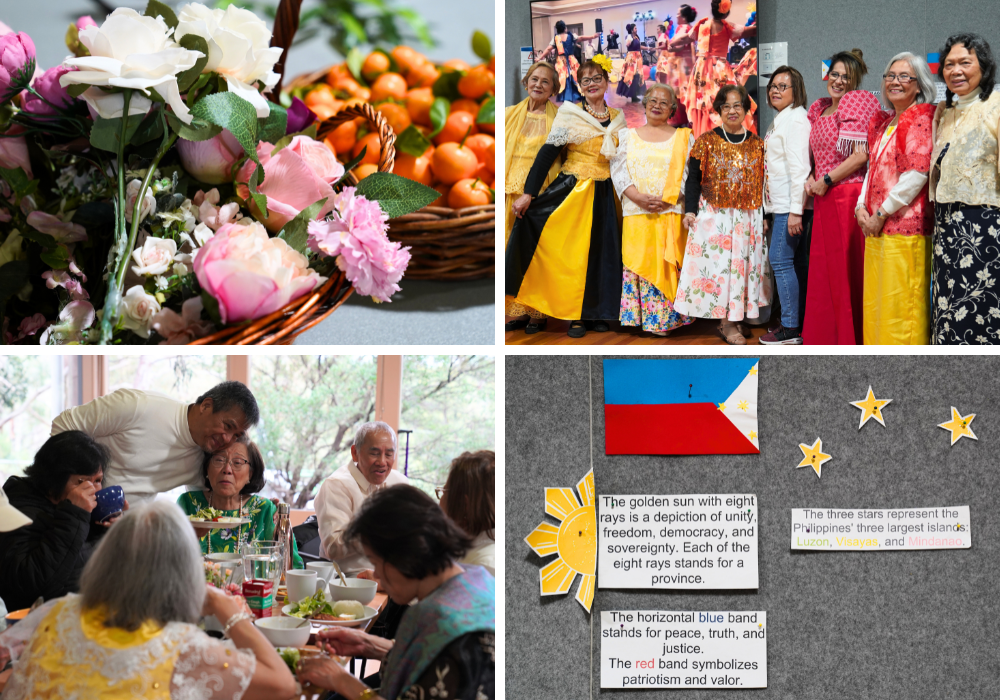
(730, 108)
(439, 491)
(834, 77)
(584, 82)
(779, 87)
(903, 78)
(220, 461)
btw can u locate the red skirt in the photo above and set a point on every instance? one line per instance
(835, 290)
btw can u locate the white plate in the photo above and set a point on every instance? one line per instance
(212, 525)
(369, 614)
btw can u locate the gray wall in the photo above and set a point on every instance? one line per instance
(878, 626)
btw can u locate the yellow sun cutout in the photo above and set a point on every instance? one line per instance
(574, 541)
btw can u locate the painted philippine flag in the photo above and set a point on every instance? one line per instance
(681, 407)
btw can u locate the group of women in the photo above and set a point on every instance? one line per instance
(884, 218)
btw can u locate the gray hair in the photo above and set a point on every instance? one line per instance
(148, 567)
(369, 429)
(926, 90)
(660, 86)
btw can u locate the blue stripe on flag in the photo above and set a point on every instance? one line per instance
(710, 380)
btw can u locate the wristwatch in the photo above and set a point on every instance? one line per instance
(879, 214)
(828, 180)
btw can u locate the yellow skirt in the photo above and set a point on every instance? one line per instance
(512, 307)
(897, 290)
(653, 247)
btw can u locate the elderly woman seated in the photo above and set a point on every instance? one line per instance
(444, 647)
(131, 630)
(467, 498)
(44, 559)
(233, 476)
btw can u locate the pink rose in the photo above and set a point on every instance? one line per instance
(693, 248)
(709, 287)
(47, 85)
(84, 22)
(681, 296)
(14, 153)
(17, 64)
(62, 231)
(250, 274)
(718, 312)
(740, 267)
(727, 243)
(212, 216)
(295, 177)
(183, 328)
(211, 161)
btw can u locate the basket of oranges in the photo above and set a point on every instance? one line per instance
(442, 116)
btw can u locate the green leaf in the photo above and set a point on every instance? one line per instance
(351, 164)
(197, 130)
(272, 127)
(440, 109)
(259, 199)
(356, 59)
(105, 132)
(57, 259)
(232, 112)
(396, 195)
(412, 142)
(76, 89)
(193, 90)
(155, 8)
(295, 233)
(481, 45)
(17, 179)
(192, 42)
(150, 128)
(211, 307)
(43, 239)
(447, 85)
(13, 277)
(487, 112)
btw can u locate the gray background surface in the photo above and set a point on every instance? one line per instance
(424, 312)
(878, 625)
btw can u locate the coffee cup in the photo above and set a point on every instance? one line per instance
(110, 502)
(303, 583)
(323, 569)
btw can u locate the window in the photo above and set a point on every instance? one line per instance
(182, 377)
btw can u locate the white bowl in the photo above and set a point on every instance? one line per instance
(279, 631)
(359, 589)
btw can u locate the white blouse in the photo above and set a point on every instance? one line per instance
(787, 161)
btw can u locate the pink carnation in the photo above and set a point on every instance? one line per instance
(357, 237)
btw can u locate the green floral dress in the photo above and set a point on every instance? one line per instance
(261, 526)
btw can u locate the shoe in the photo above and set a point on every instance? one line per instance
(536, 325)
(783, 336)
(744, 330)
(662, 334)
(773, 326)
(601, 326)
(516, 324)
(731, 334)
(576, 329)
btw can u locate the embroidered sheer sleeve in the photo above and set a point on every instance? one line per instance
(465, 670)
(619, 165)
(211, 668)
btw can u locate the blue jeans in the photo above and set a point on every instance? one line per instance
(789, 256)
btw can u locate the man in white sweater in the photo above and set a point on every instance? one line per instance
(157, 443)
(373, 456)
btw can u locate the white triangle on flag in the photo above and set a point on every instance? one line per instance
(741, 407)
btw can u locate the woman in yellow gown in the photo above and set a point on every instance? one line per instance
(564, 253)
(649, 173)
(526, 126)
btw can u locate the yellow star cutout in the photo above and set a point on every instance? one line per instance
(813, 456)
(871, 408)
(959, 425)
(722, 406)
(742, 405)
(753, 370)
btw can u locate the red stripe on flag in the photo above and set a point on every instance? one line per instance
(672, 429)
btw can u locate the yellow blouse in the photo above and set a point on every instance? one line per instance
(526, 145)
(970, 170)
(585, 160)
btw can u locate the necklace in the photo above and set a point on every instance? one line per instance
(241, 536)
(599, 116)
(735, 143)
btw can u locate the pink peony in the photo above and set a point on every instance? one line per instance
(211, 161)
(17, 64)
(251, 275)
(4, 29)
(47, 85)
(84, 22)
(62, 231)
(356, 236)
(14, 154)
(181, 329)
(295, 177)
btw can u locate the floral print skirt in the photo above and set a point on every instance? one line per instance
(643, 304)
(966, 298)
(725, 269)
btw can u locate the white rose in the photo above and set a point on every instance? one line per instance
(155, 256)
(130, 51)
(148, 201)
(239, 48)
(138, 310)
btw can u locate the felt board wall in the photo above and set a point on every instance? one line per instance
(872, 625)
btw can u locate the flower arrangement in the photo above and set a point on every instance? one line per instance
(151, 192)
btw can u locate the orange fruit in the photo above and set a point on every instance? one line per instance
(480, 145)
(465, 105)
(343, 138)
(363, 93)
(406, 58)
(375, 65)
(364, 170)
(396, 115)
(457, 64)
(422, 75)
(483, 173)
(476, 83)
(441, 201)
(389, 85)
(418, 104)
(324, 111)
(456, 127)
(492, 65)
(372, 142)
(470, 192)
(346, 83)
(487, 129)
(452, 163)
(417, 168)
(321, 94)
(491, 157)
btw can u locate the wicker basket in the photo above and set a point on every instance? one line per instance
(446, 244)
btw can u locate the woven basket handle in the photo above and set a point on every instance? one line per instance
(286, 23)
